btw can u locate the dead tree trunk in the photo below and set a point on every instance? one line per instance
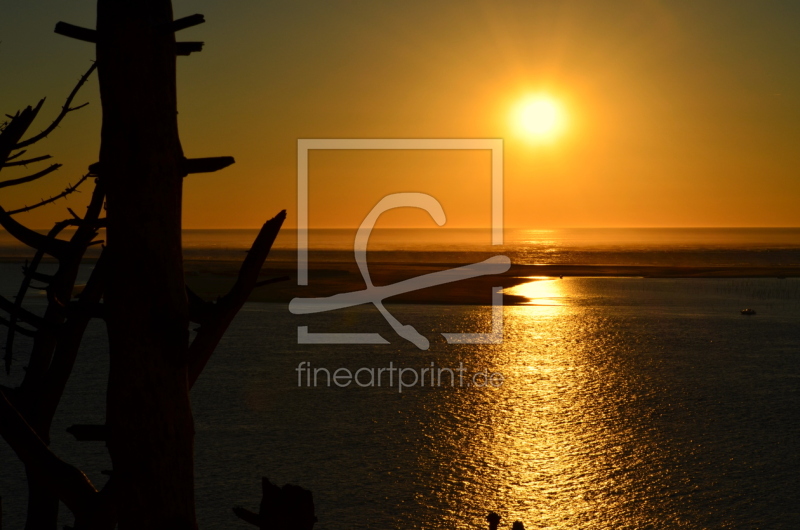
(149, 417)
(149, 429)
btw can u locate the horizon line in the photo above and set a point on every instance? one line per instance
(695, 227)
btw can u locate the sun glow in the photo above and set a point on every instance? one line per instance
(540, 118)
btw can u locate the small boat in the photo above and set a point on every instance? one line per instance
(748, 311)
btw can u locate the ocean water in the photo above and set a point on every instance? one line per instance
(577, 246)
(617, 246)
(625, 403)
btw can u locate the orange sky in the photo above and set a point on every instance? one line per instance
(678, 113)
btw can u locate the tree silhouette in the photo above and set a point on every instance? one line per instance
(136, 287)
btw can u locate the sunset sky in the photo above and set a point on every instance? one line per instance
(668, 113)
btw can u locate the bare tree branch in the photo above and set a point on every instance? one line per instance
(30, 273)
(271, 281)
(185, 22)
(58, 295)
(14, 130)
(67, 481)
(89, 433)
(76, 32)
(29, 178)
(65, 109)
(188, 165)
(206, 165)
(8, 138)
(40, 276)
(200, 311)
(247, 516)
(51, 360)
(25, 162)
(69, 189)
(69, 342)
(227, 306)
(16, 155)
(21, 313)
(289, 507)
(57, 248)
(186, 48)
(18, 329)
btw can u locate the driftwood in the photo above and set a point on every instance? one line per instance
(287, 508)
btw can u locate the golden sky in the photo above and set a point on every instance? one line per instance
(674, 113)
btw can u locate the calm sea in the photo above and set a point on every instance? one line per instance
(626, 403)
(618, 246)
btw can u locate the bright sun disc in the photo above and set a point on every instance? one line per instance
(540, 117)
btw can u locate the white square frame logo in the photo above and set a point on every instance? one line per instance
(495, 145)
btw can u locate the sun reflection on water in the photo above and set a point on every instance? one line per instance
(547, 447)
(542, 291)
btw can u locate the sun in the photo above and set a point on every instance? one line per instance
(540, 117)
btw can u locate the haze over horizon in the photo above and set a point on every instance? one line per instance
(660, 114)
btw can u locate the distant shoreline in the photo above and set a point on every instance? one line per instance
(212, 278)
